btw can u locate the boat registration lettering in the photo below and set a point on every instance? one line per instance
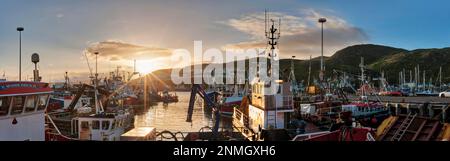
(17, 85)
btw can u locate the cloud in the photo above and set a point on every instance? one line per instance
(300, 33)
(253, 24)
(114, 50)
(59, 15)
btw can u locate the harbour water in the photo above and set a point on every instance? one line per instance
(172, 116)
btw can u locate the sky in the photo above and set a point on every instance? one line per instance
(65, 32)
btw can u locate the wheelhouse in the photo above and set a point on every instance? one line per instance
(19, 98)
(22, 107)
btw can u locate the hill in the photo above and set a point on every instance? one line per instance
(377, 58)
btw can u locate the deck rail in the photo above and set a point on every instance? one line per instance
(241, 122)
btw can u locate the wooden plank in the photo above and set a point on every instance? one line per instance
(419, 130)
(432, 130)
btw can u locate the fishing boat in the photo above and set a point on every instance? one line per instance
(166, 97)
(266, 111)
(343, 129)
(228, 104)
(89, 120)
(343, 134)
(123, 93)
(390, 93)
(368, 114)
(101, 117)
(22, 107)
(22, 110)
(427, 92)
(229, 99)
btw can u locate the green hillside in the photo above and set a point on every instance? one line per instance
(377, 58)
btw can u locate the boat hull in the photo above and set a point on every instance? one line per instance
(29, 127)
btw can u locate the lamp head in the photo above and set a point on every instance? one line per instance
(322, 20)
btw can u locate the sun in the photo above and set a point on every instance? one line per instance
(145, 66)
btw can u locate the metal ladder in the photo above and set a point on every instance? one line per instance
(403, 127)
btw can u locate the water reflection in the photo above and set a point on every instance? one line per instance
(172, 116)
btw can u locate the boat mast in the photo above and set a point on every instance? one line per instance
(292, 77)
(363, 92)
(273, 35)
(423, 84)
(404, 77)
(415, 79)
(383, 82)
(67, 81)
(440, 78)
(98, 105)
(309, 71)
(410, 76)
(418, 76)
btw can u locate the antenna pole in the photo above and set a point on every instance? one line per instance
(265, 22)
(273, 36)
(96, 66)
(279, 27)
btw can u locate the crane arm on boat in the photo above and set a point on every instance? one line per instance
(80, 92)
(197, 89)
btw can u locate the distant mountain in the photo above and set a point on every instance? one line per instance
(377, 58)
(428, 59)
(349, 57)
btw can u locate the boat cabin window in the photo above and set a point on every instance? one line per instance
(260, 88)
(5, 102)
(42, 103)
(84, 125)
(75, 127)
(30, 103)
(95, 125)
(105, 125)
(17, 106)
(84, 102)
(120, 123)
(113, 125)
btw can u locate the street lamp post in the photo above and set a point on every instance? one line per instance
(322, 21)
(322, 67)
(20, 29)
